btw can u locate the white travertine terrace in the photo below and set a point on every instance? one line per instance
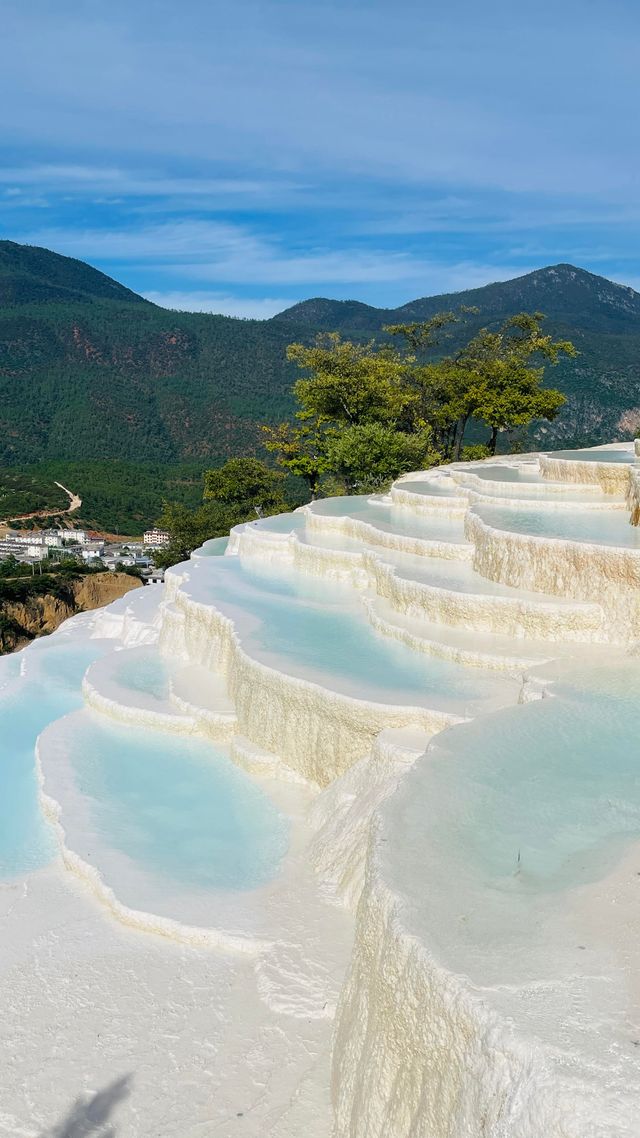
(544, 489)
(365, 533)
(516, 613)
(612, 477)
(454, 505)
(633, 496)
(270, 705)
(604, 575)
(435, 1036)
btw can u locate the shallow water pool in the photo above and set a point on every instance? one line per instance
(144, 671)
(601, 527)
(393, 519)
(50, 688)
(541, 797)
(281, 523)
(318, 630)
(215, 547)
(177, 807)
(596, 455)
(437, 487)
(496, 472)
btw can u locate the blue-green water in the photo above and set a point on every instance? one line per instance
(353, 504)
(497, 473)
(543, 796)
(316, 627)
(527, 482)
(392, 518)
(281, 523)
(178, 807)
(215, 547)
(601, 526)
(437, 487)
(596, 455)
(27, 705)
(142, 671)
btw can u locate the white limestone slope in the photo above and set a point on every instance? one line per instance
(420, 1050)
(633, 497)
(611, 477)
(316, 732)
(498, 1011)
(600, 574)
(460, 600)
(424, 1051)
(435, 1036)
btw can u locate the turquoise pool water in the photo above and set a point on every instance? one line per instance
(286, 581)
(438, 488)
(315, 629)
(540, 797)
(602, 527)
(55, 671)
(142, 671)
(215, 547)
(596, 455)
(498, 473)
(9, 669)
(527, 483)
(354, 504)
(393, 518)
(281, 523)
(446, 573)
(177, 807)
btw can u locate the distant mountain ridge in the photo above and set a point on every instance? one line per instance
(90, 369)
(560, 290)
(30, 275)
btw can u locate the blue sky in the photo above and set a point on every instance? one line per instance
(237, 157)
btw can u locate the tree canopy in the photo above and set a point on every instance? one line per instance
(302, 450)
(371, 455)
(244, 483)
(349, 383)
(368, 411)
(236, 492)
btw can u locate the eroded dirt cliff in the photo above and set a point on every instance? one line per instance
(24, 620)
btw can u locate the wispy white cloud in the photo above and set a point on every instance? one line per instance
(127, 182)
(464, 94)
(224, 253)
(15, 198)
(382, 150)
(252, 308)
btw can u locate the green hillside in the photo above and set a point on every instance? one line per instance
(29, 275)
(600, 317)
(91, 371)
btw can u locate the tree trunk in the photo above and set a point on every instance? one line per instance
(460, 429)
(493, 441)
(448, 438)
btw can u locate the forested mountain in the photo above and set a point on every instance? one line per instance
(561, 291)
(89, 370)
(30, 275)
(600, 317)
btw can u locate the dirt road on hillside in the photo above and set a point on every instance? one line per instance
(75, 502)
